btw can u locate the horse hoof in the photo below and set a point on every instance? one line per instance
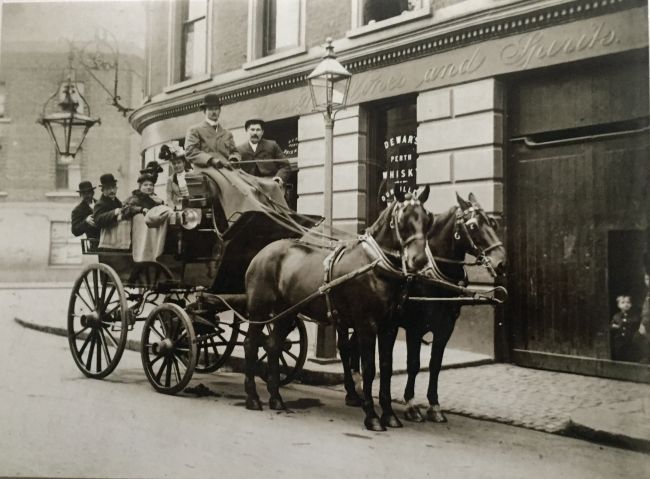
(353, 400)
(373, 424)
(413, 414)
(253, 404)
(277, 404)
(390, 420)
(435, 414)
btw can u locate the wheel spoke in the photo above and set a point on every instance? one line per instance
(110, 335)
(214, 348)
(90, 293)
(284, 361)
(160, 371)
(76, 335)
(162, 324)
(107, 354)
(85, 302)
(182, 360)
(155, 360)
(102, 296)
(262, 358)
(168, 376)
(153, 328)
(225, 341)
(292, 355)
(86, 342)
(96, 288)
(177, 373)
(99, 352)
(89, 361)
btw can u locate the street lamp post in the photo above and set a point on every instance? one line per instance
(329, 84)
(68, 124)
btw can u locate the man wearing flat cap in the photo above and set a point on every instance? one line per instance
(82, 214)
(262, 157)
(208, 143)
(108, 209)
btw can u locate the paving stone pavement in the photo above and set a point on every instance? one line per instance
(535, 399)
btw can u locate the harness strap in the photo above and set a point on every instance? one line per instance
(375, 251)
(328, 266)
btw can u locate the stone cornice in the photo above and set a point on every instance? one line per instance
(437, 38)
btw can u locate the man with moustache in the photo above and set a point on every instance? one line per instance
(108, 209)
(259, 148)
(82, 214)
(208, 144)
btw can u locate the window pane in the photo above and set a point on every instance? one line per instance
(64, 247)
(378, 10)
(195, 49)
(196, 9)
(282, 24)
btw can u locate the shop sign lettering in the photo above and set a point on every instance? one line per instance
(539, 46)
(401, 165)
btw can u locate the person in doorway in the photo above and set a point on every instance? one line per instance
(263, 157)
(209, 144)
(623, 326)
(642, 336)
(82, 214)
(108, 209)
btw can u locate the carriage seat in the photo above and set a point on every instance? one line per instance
(201, 190)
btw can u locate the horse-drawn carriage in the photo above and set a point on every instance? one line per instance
(224, 266)
(205, 256)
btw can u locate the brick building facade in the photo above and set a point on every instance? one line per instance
(37, 194)
(460, 76)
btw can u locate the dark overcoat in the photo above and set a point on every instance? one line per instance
(79, 225)
(104, 211)
(266, 150)
(203, 142)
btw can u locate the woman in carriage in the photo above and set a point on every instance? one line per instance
(141, 199)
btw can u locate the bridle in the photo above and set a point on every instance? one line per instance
(467, 223)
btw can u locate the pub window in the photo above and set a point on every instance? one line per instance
(64, 247)
(67, 175)
(276, 28)
(370, 12)
(194, 38)
(392, 151)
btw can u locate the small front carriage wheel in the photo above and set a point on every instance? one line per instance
(292, 355)
(168, 348)
(97, 320)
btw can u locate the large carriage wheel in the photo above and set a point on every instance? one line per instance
(215, 343)
(168, 348)
(292, 357)
(98, 321)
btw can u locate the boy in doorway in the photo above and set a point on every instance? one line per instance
(623, 328)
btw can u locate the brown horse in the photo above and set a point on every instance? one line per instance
(287, 271)
(463, 229)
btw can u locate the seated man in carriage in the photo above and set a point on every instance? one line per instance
(262, 157)
(108, 209)
(82, 214)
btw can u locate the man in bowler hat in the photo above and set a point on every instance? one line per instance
(258, 148)
(208, 143)
(82, 214)
(108, 210)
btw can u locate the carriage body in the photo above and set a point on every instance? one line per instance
(204, 252)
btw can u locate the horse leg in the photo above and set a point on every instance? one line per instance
(352, 397)
(274, 343)
(442, 331)
(413, 346)
(355, 360)
(367, 349)
(386, 342)
(251, 347)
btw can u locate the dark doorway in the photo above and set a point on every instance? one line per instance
(285, 133)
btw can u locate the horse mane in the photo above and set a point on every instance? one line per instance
(441, 220)
(381, 221)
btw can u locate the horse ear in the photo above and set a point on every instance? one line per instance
(399, 195)
(424, 195)
(473, 200)
(462, 203)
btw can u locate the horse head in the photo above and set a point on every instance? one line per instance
(401, 230)
(477, 231)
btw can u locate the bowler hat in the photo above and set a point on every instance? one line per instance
(86, 186)
(254, 121)
(107, 179)
(211, 100)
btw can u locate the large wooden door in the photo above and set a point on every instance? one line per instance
(565, 204)
(576, 200)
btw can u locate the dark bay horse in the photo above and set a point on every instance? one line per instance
(465, 228)
(287, 271)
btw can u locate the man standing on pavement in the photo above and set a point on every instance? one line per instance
(82, 214)
(208, 143)
(258, 148)
(108, 210)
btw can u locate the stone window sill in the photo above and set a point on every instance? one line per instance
(189, 82)
(275, 57)
(390, 22)
(61, 194)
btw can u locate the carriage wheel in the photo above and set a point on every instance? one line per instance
(168, 348)
(293, 355)
(98, 318)
(215, 343)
